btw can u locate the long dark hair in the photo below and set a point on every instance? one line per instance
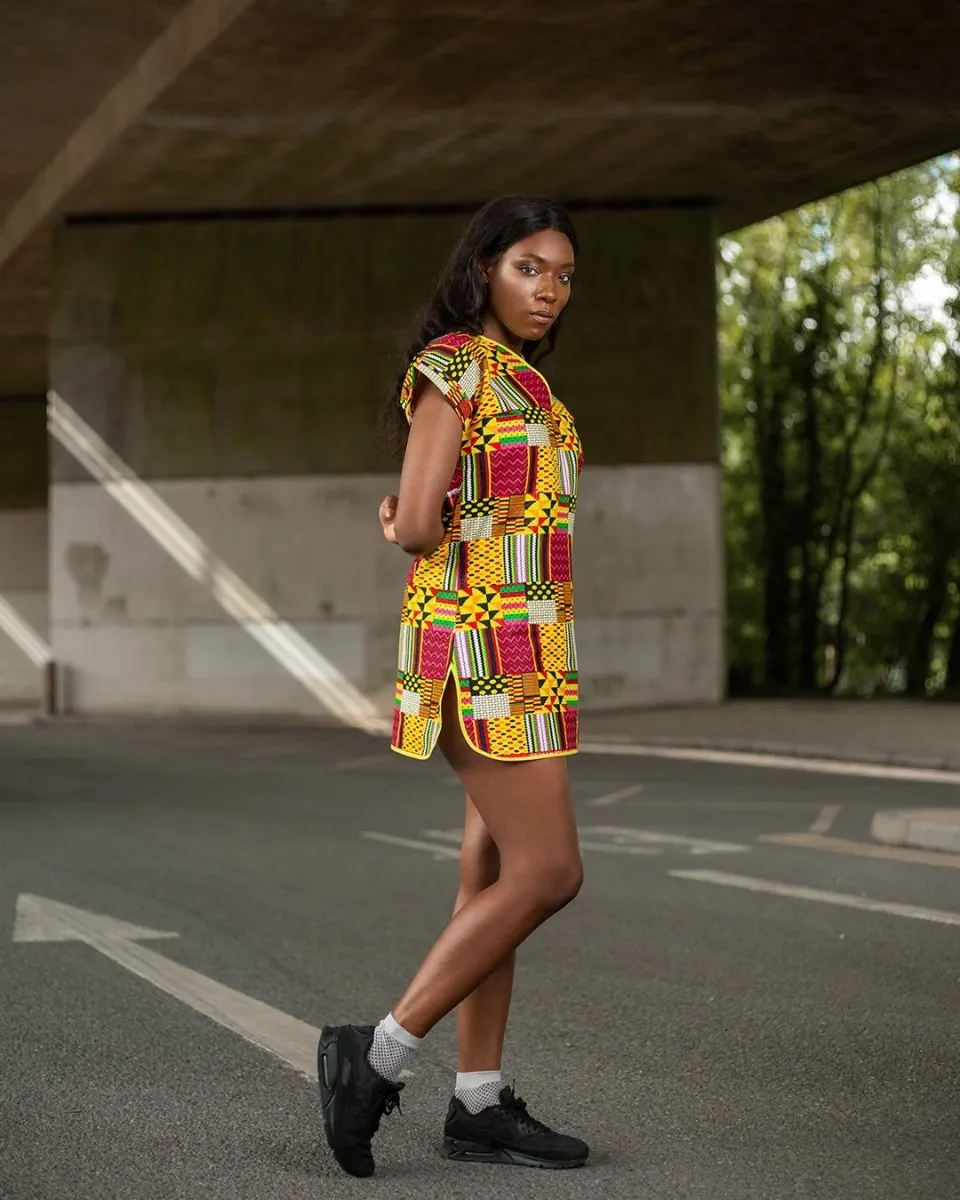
(460, 301)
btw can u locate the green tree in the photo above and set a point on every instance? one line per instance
(826, 388)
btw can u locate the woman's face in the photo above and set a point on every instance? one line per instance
(529, 287)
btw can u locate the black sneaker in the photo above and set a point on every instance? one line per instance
(353, 1095)
(506, 1133)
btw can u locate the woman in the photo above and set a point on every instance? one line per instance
(487, 670)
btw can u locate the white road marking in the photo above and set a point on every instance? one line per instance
(614, 797)
(618, 840)
(412, 844)
(722, 879)
(444, 835)
(817, 841)
(780, 762)
(724, 805)
(619, 848)
(292, 1041)
(621, 835)
(827, 816)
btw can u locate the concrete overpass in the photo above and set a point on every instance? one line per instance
(218, 216)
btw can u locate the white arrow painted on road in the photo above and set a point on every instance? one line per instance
(292, 1041)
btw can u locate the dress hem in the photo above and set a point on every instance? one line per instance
(516, 758)
(452, 671)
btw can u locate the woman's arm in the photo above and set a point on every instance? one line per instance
(433, 450)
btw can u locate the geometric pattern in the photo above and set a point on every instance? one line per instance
(493, 604)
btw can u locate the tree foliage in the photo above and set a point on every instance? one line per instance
(841, 443)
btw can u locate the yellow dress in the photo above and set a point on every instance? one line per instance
(493, 604)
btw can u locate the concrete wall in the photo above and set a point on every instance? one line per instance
(238, 368)
(637, 360)
(139, 633)
(23, 536)
(23, 585)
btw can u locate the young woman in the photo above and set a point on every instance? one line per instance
(487, 671)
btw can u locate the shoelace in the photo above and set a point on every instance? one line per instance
(528, 1123)
(391, 1102)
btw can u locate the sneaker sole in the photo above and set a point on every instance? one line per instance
(460, 1151)
(328, 1069)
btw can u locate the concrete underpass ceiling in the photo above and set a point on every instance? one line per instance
(752, 107)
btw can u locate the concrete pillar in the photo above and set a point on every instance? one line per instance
(23, 540)
(237, 366)
(638, 366)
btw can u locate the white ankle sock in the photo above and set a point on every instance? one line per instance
(477, 1090)
(391, 1048)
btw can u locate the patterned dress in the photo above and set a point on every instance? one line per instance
(493, 604)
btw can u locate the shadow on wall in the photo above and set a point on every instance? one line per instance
(252, 614)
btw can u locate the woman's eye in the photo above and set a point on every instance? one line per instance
(527, 269)
(565, 279)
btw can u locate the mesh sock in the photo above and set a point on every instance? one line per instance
(477, 1090)
(391, 1048)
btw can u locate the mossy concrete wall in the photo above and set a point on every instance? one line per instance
(637, 361)
(267, 347)
(231, 348)
(23, 451)
(239, 366)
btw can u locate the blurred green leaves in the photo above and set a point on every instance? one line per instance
(841, 442)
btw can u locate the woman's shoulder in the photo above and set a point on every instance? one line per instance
(453, 358)
(467, 346)
(455, 364)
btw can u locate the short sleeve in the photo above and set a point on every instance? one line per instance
(454, 365)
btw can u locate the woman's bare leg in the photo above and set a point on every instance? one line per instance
(526, 808)
(482, 1016)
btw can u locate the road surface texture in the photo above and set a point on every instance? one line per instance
(721, 1016)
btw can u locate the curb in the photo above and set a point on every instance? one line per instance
(924, 829)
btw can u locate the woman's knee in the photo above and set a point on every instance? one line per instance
(554, 883)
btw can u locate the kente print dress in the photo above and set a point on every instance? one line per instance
(493, 604)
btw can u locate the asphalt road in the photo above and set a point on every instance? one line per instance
(711, 1042)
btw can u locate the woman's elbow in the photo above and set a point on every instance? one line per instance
(415, 538)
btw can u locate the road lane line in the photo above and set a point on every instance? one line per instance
(841, 899)
(291, 1040)
(390, 839)
(614, 797)
(816, 841)
(443, 835)
(824, 822)
(455, 836)
(780, 762)
(697, 845)
(621, 848)
(726, 806)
